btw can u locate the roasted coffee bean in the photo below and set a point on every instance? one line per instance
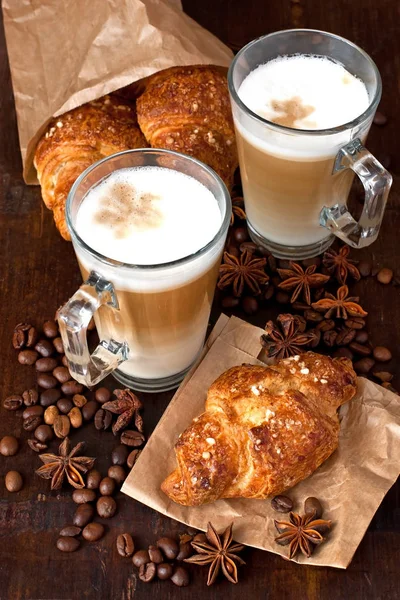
(64, 361)
(68, 544)
(364, 365)
(345, 336)
(107, 486)
(360, 349)
(240, 234)
(13, 481)
(383, 375)
(45, 365)
(83, 496)
(313, 506)
(33, 411)
(31, 337)
(64, 405)
(50, 329)
(343, 352)
(43, 433)
(313, 316)
(180, 577)
(141, 557)
(71, 387)
(164, 571)
(75, 417)
(147, 572)
(355, 323)
(230, 302)
(62, 374)
(102, 395)
(329, 338)
(106, 507)
(361, 337)
(50, 415)
(185, 551)
(9, 445)
(83, 515)
(102, 419)
(61, 426)
(282, 297)
(58, 345)
(169, 547)
(382, 354)
(13, 402)
(79, 400)
(93, 532)
(93, 479)
(27, 357)
(46, 381)
(49, 397)
(269, 292)
(70, 531)
(155, 555)
(125, 545)
(25, 335)
(31, 423)
(380, 119)
(36, 446)
(45, 348)
(130, 437)
(119, 455)
(282, 504)
(385, 276)
(89, 410)
(364, 267)
(249, 305)
(117, 473)
(132, 458)
(200, 537)
(31, 397)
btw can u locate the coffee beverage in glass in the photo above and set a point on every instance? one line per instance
(148, 229)
(303, 102)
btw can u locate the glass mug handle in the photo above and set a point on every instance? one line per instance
(74, 318)
(376, 181)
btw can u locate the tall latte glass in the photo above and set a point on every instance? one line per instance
(303, 102)
(148, 228)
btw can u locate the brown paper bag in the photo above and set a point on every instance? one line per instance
(64, 53)
(350, 484)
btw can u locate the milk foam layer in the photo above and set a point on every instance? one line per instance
(148, 216)
(304, 92)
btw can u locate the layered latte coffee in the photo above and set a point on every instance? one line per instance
(146, 219)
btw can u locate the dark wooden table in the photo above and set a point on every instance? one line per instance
(38, 272)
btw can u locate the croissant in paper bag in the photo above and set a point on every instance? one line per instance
(264, 430)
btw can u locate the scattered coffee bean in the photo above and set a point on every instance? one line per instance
(282, 297)
(83, 515)
(164, 571)
(79, 400)
(50, 329)
(132, 458)
(50, 414)
(329, 338)
(230, 302)
(89, 410)
(71, 387)
(355, 323)
(106, 507)
(200, 537)
(107, 486)
(31, 423)
(13, 481)
(269, 292)
(361, 337)
(75, 417)
(382, 354)
(36, 446)
(68, 544)
(250, 305)
(313, 316)
(141, 557)
(25, 335)
(33, 411)
(345, 336)
(326, 325)
(180, 577)
(49, 397)
(130, 437)
(383, 375)
(61, 426)
(64, 405)
(45, 348)
(343, 352)
(385, 276)
(83, 496)
(380, 119)
(13, 402)
(155, 555)
(125, 545)
(27, 357)
(119, 455)
(93, 479)
(364, 267)
(102, 419)
(64, 361)
(169, 547)
(70, 531)
(93, 532)
(240, 234)
(364, 365)
(282, 504)
(58, 345)
(102, 395)
(43, 433)
(9, 445)
(31, 397)
(46, 381)
(117, 473)
(45, 365)
(185, 551)
(147, 572)
(313, 505)
(360, 349)
(62, 374)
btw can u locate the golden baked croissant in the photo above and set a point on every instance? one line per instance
(76, 140)
(264, 430)
(187, 109)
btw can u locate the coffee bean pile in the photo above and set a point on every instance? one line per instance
(284, 504)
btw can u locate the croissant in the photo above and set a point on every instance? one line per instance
(264, 430)
(187, 109)
(76, 140)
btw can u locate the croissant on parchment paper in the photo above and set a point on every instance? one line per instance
(264, 430)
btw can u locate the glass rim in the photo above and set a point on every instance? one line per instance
(283, 128)
(170, 264)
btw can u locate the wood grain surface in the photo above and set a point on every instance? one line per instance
(38, 272)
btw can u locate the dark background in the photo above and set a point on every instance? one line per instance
(38, 272)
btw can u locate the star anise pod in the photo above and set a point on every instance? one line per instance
(243, 271)
(300, 280)
(238, 210)
(286, 338)
(56, 467)
(127, 406)
(219, 552)
(343, 305)
(301, 532)
(339, 264)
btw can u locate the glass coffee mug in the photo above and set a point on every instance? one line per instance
(296, 182)
(151, 319)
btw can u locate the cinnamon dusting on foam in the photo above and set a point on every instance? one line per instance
(290, 111)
